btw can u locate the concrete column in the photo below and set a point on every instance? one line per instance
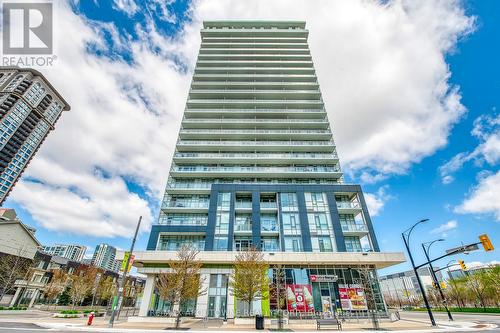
(146, 295)
(16, 296)
(33, 298)
(230, 303)
(202, 301)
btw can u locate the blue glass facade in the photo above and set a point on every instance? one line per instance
(247, 213)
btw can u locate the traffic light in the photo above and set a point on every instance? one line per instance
(462, 264)
(434, 285)
(442, 284)
(485, 240)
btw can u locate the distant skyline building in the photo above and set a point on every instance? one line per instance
(29, 109)
(104, 256)
(68, 251)
(255, 166)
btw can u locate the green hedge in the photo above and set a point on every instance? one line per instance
(69, 312)
(12, 308)
(471, 310)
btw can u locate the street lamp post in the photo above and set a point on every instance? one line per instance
(426, 247)
(406, 239)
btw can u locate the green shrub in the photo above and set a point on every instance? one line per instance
(69, 312)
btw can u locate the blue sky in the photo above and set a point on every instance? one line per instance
(417, 130)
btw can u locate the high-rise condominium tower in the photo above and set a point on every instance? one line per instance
(255, 166)
(104, 257)
(29, 110)
(69, 251)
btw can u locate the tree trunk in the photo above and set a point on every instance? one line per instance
(178, 319)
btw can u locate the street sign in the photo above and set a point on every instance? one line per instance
(464, 248)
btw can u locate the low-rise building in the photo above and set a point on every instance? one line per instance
(402, 288)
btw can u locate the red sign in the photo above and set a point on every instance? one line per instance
(352, 298)
(299, 297)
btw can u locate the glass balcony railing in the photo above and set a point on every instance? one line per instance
(243, 204)
(242, 131)
(243, 227)
(348, 204)
(187, 185)
(258, 155)
(262, 143)
(255, 120)
(186, 204)
(354, 227)
(254, 169)
(268, 205)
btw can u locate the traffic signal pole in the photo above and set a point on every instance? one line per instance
(415, 269)
(434, 278)
(116, 309)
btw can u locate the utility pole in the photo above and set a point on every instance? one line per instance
(116, 309)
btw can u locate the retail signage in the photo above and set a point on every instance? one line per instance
(324, 278)
(352, 297)
(299, 297)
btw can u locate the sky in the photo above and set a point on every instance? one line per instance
(410, 87)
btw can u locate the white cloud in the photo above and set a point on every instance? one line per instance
(484, 198)
(487, 130)
(376, 201)
(450, 225)
(127, 6)
(381, 68)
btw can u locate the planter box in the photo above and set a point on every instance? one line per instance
(67, 315)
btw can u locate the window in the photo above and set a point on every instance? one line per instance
(293, 244)
(289, 202)
(268, 222)
(242, 243)
(352, 244)
(220, 243)
(269, 244)
(174, 242)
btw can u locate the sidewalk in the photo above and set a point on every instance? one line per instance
(194, 325)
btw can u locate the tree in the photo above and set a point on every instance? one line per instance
(183, 282)
(249, 278)
(476, 284)
(82, 283)
(12, 267)
(105, 289)
(56, 286)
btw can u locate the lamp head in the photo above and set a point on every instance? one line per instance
(423, 220)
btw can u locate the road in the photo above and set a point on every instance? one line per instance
(443, 317)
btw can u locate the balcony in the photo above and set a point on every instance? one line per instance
(251, 134)
(314, 118)
(185, 205)
(349, 207)
(255, 171)
(248, 103)
(250, 145)
(268, 205)
(242, 204)
(354, 229)
(255, 77)
(257, 158)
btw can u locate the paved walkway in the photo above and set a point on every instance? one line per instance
(419, 325)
